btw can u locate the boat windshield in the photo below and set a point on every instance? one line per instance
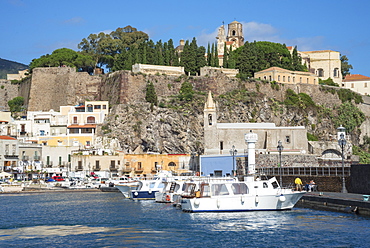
(239, 188)
(219, 189)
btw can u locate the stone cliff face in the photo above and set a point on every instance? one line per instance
(177, 126)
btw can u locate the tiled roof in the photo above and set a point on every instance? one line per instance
(4, 137)
(82, 126)
(355, 77)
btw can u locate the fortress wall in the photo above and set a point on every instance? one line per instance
(59, 86)
(7, 92)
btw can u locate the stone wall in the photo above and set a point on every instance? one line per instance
(60, 86)
(360, 183)
(7, 92)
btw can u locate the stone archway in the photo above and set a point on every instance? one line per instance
(331, 153)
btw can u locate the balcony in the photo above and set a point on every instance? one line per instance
(139, 170)
(96, 168)
(127, 169)
(113, 168)
(37, 158)
(78, 168)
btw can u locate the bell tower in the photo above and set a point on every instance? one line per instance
(235, 34)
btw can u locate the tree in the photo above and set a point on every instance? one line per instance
(64, 57)
(345, 67)
(16, 104)
(349, 116)
(186, 91)
(151, 95)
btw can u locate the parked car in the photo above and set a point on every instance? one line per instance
(57, 178)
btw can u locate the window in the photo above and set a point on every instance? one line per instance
(352, 85)
(233, 32)
(278, 77)
(293, 79)
(47, 160)
(221, 145)
(210, 119)
(336, 72)
(75, 120)
(7, 149)
(365, 85)
(97, 164)
(300, 80)
(287, 139)
(97, 106)
(320, 72)
(219, 189)
(239, 188)
(171, 164)
(270, 78)
(60, 160)
(14, 147)
(89, 108)
(74, 130)
(139, 167)
(104, 106)
(288, 78)
(283, 78)
(91, 119)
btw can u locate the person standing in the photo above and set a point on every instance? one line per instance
(298, 184)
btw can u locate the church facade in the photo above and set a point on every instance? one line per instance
(219, 138)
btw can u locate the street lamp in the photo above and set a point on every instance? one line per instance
(233, 152)
(280, 148)
(342, 143)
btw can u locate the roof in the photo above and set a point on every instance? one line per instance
(322, 51)
(355, 77)
(82, 126)
(4, 137)
(275, 68)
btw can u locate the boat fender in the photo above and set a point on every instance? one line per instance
(218, 203)
(282, 198)
(256, 199)
(242, 199)
(168, 198)
(136, 194)
(150, 192)
(196, 202)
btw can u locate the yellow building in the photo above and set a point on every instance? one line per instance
(132, 165)
(285, 76)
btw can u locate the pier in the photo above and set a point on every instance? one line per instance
(337, 202)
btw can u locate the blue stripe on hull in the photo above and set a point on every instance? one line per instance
(143, 195)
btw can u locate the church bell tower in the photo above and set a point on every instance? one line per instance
(235, 34)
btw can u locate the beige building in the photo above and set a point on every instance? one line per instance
(325, 64)
(19, 76)
(9, 151)
(281, 75)
(357, 83)
(158, 69)
(132, 165)
(219, 138)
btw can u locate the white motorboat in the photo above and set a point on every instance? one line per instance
(171, 191)
(249, 195)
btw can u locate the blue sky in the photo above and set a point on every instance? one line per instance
(32, 28)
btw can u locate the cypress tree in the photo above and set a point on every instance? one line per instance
(150, 94)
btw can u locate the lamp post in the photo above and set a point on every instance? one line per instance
(342, 143)
(280, 148)
(233, 152)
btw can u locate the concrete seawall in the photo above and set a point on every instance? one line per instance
(337, 202)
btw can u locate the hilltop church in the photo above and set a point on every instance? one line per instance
(321, 64)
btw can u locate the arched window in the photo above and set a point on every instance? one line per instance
(320, 72)
(171, 164)
(336, 72)
(210, 119)
(234, 32)
(90, 119)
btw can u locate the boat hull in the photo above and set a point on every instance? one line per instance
(241, 203)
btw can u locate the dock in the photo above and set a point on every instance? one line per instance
(337, 202)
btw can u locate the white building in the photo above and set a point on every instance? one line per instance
(357, 83)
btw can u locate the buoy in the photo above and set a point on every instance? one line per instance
(196, 202)
(168, 198)
(282, 198)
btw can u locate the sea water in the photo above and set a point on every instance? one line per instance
(98, 219)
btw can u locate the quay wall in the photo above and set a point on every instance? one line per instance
(360, 179)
